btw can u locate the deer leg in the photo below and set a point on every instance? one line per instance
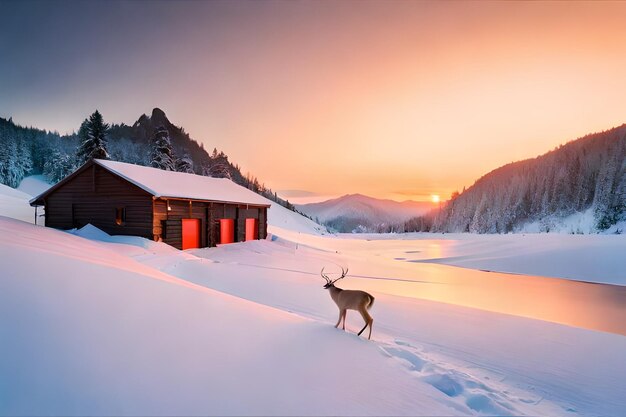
(368, 321)
(342, 315)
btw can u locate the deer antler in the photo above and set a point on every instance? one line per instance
(324, 276)
(343, 275)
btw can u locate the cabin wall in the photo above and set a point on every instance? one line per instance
(170, 220)
(94, 194)
(168, 223)
(262, 223)
(93, 197)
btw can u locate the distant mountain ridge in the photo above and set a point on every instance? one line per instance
(361, 213)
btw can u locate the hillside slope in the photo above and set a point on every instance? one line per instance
(584, 174)
(89, 331)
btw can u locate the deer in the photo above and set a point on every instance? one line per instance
(350, 300)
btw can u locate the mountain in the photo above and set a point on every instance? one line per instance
(132, 142)
(585, 177)
(26, 151)
(357, 212)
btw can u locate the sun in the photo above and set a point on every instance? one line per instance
(435, 198)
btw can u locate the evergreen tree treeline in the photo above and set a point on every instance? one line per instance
(588, 173)
(151, 141)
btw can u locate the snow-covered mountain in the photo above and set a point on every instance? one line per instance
(357, 212)
(583, 178)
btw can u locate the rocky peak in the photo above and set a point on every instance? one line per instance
(159, 118)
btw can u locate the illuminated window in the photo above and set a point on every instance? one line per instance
(120, 216)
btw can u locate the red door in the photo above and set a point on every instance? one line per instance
(251, 229)
(227, 231)
(191, 233)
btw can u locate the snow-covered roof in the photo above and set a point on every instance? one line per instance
(168, 184)
(162, 183)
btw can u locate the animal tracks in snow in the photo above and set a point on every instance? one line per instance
(464, 392)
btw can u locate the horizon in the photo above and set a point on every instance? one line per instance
(399, 101)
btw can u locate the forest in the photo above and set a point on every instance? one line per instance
(150, 141)
(587, 173)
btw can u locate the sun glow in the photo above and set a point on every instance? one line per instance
(434, 198)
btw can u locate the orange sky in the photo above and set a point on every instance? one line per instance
(391, 99)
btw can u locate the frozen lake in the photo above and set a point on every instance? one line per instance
(580, 286)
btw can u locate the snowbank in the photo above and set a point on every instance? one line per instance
(279, 218)
(34, 185)
(14, 204)
(89, 331)
(480, 362)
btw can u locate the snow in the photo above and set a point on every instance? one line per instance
(346, 211)
(87, 330)
(578, 223)
(14, 204)
(93, 324)
(123, 325)
(34, 185)
(279, 218)
(162, 183)
(592, 258)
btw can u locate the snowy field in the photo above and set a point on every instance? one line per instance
(99, 325)
(593, 258)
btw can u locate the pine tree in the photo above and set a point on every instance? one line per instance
(24, 160)
(185, 164)
(59, 166)
(162, 150)
(93, 135)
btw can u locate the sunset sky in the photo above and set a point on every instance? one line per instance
(397, 100)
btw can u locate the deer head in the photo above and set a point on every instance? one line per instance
(331, 282)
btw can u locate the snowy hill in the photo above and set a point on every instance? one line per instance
(584, 175)
(101, 325)
(360, 212)
(14, 204)
(131, 340)
(34, 185)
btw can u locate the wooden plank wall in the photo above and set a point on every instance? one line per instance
(262, 223)
(92, 197)
(182, 209)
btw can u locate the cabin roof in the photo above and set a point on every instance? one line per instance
(169, 184)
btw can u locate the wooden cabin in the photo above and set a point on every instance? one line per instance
(183, 210)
